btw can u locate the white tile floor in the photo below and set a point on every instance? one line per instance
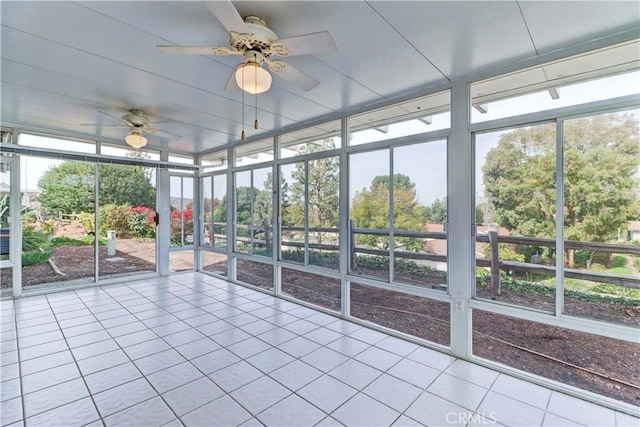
(197, 351)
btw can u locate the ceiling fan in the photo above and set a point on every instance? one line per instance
(251, 38)
(138, 123)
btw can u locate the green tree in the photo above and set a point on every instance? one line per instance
(601, 160)
(121, 184)
(69, 187)
(323, 189)
(370, 209)
(436, 213)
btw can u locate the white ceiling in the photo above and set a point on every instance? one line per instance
(63, 62)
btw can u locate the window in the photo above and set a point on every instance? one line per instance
(419, 115)
(214, 207)
(49, 143)
(214, 162)
(515, 191)
(601, 74)
(181, 192)
(421, 317)
(254, 212)
(398, 214)
(323, 137)
(309, 210)
(253, 153)
(601, 165)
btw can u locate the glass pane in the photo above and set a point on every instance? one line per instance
(111, 150)
(324, 211)
(292, 212)
(420, 212)
(206, 185)
(6, 272)
(58, 222)
(312, 288)
(244, 201)
(256, 152)
(180, 261)
(420, 115)
(220, 211)
(262, 242)
(127, 200)
(214, 263)
(56, 144)
(369, 199)
(214, 161)
(515, 214)
(601, 213)
(601, 74)
(255, 273)
(413, 315)
(181, 191)
(310, 140)
(609, 367)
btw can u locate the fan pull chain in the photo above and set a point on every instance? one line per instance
(242, 134)
(255, 70)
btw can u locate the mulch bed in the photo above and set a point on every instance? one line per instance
(514, 342)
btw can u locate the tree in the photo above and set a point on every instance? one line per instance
(436, 213)
(370, 209)
(69, 187)
(601, 160)
(121, 184)
(322, 199)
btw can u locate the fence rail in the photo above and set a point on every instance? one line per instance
(492, 238)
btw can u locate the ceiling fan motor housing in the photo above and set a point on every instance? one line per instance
(261, 35)
(136, 118)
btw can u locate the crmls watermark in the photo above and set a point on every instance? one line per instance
(467, 418)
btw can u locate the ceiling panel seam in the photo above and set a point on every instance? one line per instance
(408, 41)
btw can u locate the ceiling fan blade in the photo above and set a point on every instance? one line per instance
(199, 50)
(116, 118)
(304, 44)
(290, 73)
(231, 85)
(228, 16)
(98, 125)
(164, 132)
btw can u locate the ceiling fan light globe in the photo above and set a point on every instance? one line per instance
(136, 140)
(252, 78)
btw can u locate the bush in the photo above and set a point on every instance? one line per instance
(620, 261)
(114, 217)
(140, 222)
(35, 258)
(32, 239)
(68, 241)
(602, 258)
(598, 268)
(87, 220)
(49, 227)
(581, 258)
(176, 225)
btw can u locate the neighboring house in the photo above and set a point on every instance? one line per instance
(633, 230)
(26, 196)
(439, 246)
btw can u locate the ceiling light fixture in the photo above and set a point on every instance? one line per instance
(136, 139)
(251, 77)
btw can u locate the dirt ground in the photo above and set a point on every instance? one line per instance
(599, 364)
